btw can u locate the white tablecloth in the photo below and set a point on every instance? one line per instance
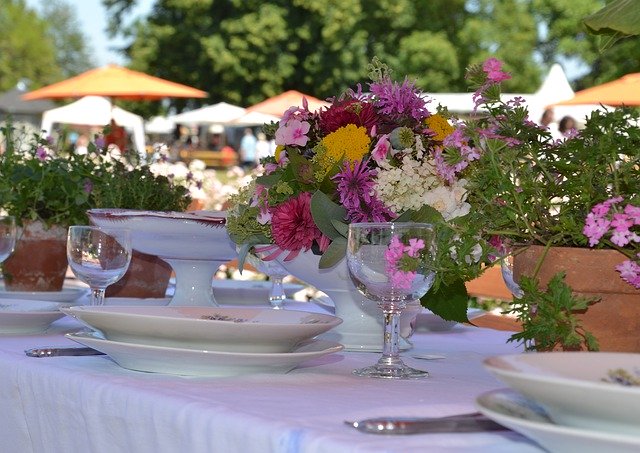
(90, 404)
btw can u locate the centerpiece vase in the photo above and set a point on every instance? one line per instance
(39, 261)
(362, 326)
(615, 320)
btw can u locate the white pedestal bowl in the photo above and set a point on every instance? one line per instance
(361, 329)
(195, 244)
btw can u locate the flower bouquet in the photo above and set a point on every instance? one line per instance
(369, 156)
(582, 192)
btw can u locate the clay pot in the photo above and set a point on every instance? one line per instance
(39, 261)
(615, 320)
(147, 277)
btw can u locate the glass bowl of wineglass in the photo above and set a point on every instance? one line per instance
(98, 256)
(392, 264)
(7, 236)
(259, 258)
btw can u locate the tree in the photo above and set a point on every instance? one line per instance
(38, 49)
(72, 53)
(26, 52)
(245, 51)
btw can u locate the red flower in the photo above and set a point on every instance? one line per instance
(348, 111)
(292, 225)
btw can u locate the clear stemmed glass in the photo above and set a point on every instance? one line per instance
(98, 256)
(7, 236)
(391, 263)
(274, 271)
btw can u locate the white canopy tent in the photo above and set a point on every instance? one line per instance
(255, 119)
(97, 111)
(220, 113)
(159, 125)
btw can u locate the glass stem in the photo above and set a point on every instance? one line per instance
(390, 350)
(97, 297)
(276, 295)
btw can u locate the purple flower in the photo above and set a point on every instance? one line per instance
(100, 142)
(621, 222)
(41, 153)
(415, 245)
(355, 185)
(633, 212)
(87, 186)
(399, 100)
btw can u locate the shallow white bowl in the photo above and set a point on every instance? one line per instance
(514, 411)
(222, 329)
(194, 362)
(66, 295)
(571, 387)
(23, 316)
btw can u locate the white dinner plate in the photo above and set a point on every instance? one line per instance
(68, 294)
(238, 329)
(194, 362)
(137, 301)
(575, 388)
(20, 316)
(248, 292)
(522, 415)
(427, 321)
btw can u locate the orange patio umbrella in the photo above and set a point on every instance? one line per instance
(114, 81)
(277, 105)
(622, 91)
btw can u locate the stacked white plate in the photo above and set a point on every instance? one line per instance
(205, 341)
(569, 401)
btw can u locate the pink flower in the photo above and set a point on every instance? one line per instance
(394, 250)
(633, 212)
(415, 245)
(630, 272)
(381, 150)
(292, 225)
(293, 132)
(621, 222)
(493, 68)
(594, 228)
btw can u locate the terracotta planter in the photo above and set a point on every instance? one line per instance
(615, 320)
(39, 261)
(147, 277)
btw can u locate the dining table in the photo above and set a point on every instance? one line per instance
(91, 404)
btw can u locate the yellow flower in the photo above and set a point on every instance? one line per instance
(279, 150)
(439, 124)
(349, 143)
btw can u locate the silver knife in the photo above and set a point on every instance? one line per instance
(415, 425)
(56, 352)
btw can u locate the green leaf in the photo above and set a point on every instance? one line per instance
(324, 211)
(448, 301)
(341, 227)
(269, 180)
(334, 253)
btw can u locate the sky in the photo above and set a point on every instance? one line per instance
(92, 17)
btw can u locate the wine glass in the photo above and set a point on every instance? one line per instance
(7, 236)
(391, 263)
(98, 256)
(274, 271)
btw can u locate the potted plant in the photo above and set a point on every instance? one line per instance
(374, 156)
(46, 192)
(567, 211)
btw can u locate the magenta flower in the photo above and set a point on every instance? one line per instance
(633, 212)
(396, 100)
(292, 225)
(293, 132)
(594, 228)
(630, 272)
(621, 222)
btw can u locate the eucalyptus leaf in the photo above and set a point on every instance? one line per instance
(324, 211)
(269, 180)
(334, 253)
(341, 227)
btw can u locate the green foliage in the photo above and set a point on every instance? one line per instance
(139, 188)
(38, 181)
(549, 318)
(244, 52)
